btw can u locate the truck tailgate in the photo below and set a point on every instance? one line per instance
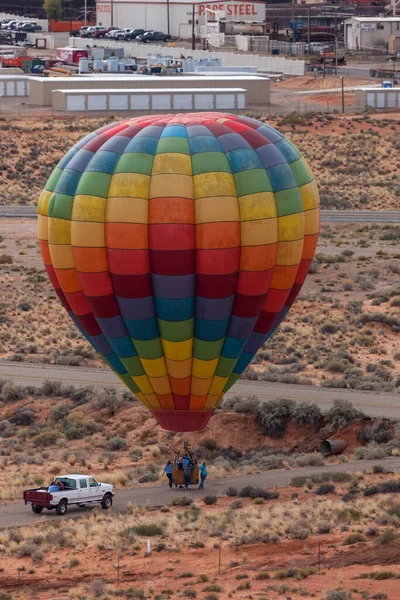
(39, 497)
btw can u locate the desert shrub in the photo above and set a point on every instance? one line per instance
(378, 469)
(340, 476)
(148, 478)
(209, 444)
(74, 562)
(108, 398)
(181, 501)
(117, 443)
(231, 492)
(135, 593)
(305, 414)
(210, 499)
(23, 416)
(324, 489)
(354, 538)
(262, 576)
(189, 593)
(371, 452)
(47, 437)
(300, 530)
(6, 259)
(10, 392)
(135, 454)
(160, 547)
(388, 536)
(387, 487)
(379, 575)
(307, 459)
(338, 594)
(236, 504)
(250, 491)
(81, 395)
(342, 413)
(242, 404)
(213, 587)
(148, 529)
(97, 587)
(298, 481)
(60, 412)
(378, 432)
(26, 549)
(274, 416)
(324, 527)
(329, 328)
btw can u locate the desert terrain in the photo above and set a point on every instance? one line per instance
(355, 159)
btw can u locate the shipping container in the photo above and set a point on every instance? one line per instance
(71, 56)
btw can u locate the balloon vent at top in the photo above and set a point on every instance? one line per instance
(177, 244)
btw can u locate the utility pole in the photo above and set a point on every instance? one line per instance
(342, 78)
(336, 41)
(193, 27)
(308, 32)
(168, 23)
(112, 13)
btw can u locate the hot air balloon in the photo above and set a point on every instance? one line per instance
(177, 244)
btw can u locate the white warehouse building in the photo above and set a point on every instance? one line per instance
(153, 14)
(369, 32)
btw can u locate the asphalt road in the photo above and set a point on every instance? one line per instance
(372, 403)
(16, 514)
(329, 216)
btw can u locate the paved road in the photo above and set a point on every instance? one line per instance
(332, 216)
(16, 514)
(372, 403)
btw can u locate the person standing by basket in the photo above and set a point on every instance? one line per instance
(203, 475)
(168, 472)
(187, 470)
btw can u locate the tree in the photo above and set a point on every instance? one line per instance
(53, 9)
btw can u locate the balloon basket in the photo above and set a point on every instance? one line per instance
(182, 420)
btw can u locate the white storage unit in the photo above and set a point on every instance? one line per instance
(145, 100)
(14, 85)
(378, 97)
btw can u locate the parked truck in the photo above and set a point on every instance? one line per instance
(78, 490)
(71, 56)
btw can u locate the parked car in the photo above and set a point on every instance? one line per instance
(83, 30)
(95, 31)
(29, 27)
(78, 490)
(11, 24)
(115, 34)
(111, 32)
(154, 36)
(132, 34)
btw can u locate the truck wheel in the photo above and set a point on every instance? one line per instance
(61, 508)
(107, 501)
(37, 509)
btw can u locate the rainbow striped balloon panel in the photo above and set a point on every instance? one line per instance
(177, 244)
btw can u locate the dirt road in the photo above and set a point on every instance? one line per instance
(16, 514)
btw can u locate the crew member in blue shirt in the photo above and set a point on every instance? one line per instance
(168, 472)
(203, 475)
(187, 470)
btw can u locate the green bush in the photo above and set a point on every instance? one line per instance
(324, 489)
(274, 416)
(354, 538)
(148, 529)
(23, 416)
(117, 443)
(342, 413)
(305, 414)
(47, 437)
(250, 491)
(378, 432)
(181, 501)
(210, 499)
(338, 594)
(231, 492)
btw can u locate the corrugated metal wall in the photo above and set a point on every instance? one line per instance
(258, 88)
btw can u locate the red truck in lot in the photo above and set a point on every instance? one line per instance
(69, 490)
(71, 56)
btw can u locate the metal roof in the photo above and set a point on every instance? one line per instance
(375, 19)
(150, 90)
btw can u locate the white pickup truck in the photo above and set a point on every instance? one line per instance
(78, 489)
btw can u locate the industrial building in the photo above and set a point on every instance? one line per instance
(174, 17)
(370, 32)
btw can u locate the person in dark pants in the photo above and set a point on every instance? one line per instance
(203, 475)
(187, 470)
(168, 472)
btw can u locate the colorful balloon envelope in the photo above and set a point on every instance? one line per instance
(177, 244)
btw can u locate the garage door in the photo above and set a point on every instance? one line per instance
(391, 100)
(76, 102)
(241, 100)
(371, 99)
(225, 101)
(97, 102)
(20, 88)
(140, 101)
(118, 102)
(161, 101)
(10, 88)
(183, 101)
(381, 99)
(203, 101)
